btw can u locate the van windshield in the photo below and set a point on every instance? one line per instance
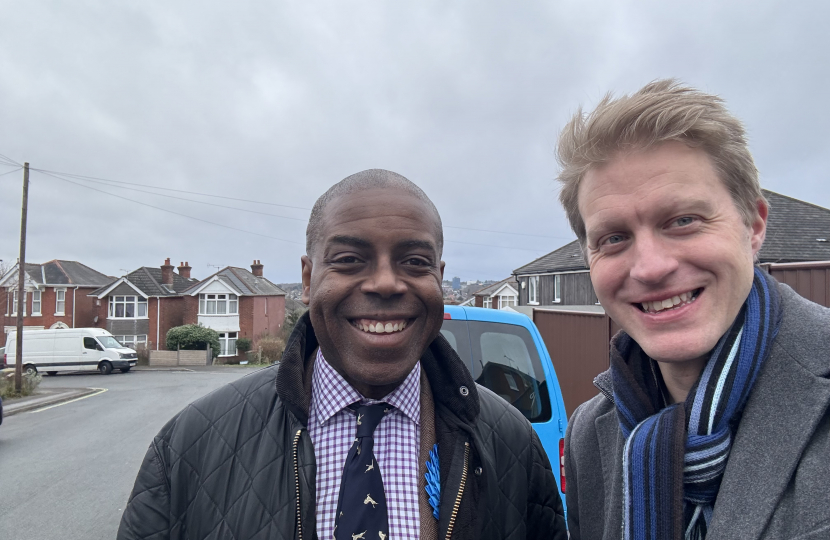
(110, 342)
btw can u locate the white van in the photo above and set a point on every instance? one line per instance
(70, 349)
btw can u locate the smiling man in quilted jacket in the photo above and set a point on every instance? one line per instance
(371, 427)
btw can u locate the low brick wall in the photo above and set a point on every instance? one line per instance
(179, 358)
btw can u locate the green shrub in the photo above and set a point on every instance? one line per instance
(243, 345)
(28, 386)
(193, 337)
(291, 318)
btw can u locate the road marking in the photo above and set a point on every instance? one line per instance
(98, 391)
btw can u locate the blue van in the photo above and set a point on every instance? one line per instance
(505, 353)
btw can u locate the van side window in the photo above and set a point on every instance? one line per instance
(89, 343)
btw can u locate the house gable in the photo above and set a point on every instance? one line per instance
(120, 286)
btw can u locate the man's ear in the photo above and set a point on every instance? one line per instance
(758, 228)
(442, 265)
(305, 260)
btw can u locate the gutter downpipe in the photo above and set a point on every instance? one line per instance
(73, 305)
(158, 321)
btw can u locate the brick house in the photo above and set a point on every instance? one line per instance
(498, 295)
(143, 305)
(55, 296)
(237, 304)
(797, 231)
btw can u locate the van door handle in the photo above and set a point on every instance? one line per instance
(84, 352)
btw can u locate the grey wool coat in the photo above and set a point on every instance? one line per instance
(777, 479)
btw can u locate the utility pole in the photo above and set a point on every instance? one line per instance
(21, 272)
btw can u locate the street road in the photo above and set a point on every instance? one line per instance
(66, 472)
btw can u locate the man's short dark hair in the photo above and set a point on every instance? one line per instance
(368, 179)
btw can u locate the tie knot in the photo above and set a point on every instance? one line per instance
(369, 416)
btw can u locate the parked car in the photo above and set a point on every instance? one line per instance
(70, 349)
(506, 354)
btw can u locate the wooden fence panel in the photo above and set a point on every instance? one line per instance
(578, 346)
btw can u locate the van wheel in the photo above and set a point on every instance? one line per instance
(124, 369)
(51, 373)
(105, 368)
(29, 370)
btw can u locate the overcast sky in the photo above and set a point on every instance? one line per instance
(275, 101)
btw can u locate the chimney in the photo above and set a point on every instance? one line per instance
(184, 270)
(256, 268)
(167, 273)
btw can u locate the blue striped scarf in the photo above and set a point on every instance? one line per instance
(674, 456)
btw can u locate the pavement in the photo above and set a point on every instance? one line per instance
(67, 467)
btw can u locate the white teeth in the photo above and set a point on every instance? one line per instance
(668, 303)
(381, 327)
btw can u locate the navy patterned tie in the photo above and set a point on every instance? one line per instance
(361, 507)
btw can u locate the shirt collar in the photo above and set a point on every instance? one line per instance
(330, 393)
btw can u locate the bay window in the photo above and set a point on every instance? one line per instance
(128, 307)
(227, 344)
(218, 304)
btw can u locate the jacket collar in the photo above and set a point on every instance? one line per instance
(446, 373)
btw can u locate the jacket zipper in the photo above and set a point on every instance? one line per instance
(297, 485)
(460, 491)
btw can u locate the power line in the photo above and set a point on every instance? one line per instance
(11, 171)
(182, 198)
(106, 180)
(171, 211)
(82, 177)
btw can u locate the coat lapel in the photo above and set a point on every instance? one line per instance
(780, 417)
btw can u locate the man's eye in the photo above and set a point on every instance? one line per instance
(683, 221)
(414, 261)
(346, 260)
(614, 239)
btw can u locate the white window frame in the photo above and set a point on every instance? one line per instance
(13, 296)
(226, 339)
(138, 302)
(557, 288)
(488, 302)
(505, 301)
(533, 290)
(37, 294)
(132, 341)
(220, 304)
(60, 303)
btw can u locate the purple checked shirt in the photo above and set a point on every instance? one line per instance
(333, 426)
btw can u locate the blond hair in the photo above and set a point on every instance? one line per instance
(661, 111)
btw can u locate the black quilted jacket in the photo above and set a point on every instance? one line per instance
(239, 464)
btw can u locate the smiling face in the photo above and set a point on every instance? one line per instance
(671, 259)
(373, 286)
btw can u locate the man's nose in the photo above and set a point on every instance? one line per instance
(384, 280)
(653, 260)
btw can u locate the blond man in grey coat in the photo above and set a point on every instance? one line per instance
(713, 420)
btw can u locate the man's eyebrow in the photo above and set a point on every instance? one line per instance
(416, 244)
(354, 241)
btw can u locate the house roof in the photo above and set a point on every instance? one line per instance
(69, 273)
(242, 281)
(489, 290)
(794, 232)
(794, 228)
(148, 280)
(568, 258)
